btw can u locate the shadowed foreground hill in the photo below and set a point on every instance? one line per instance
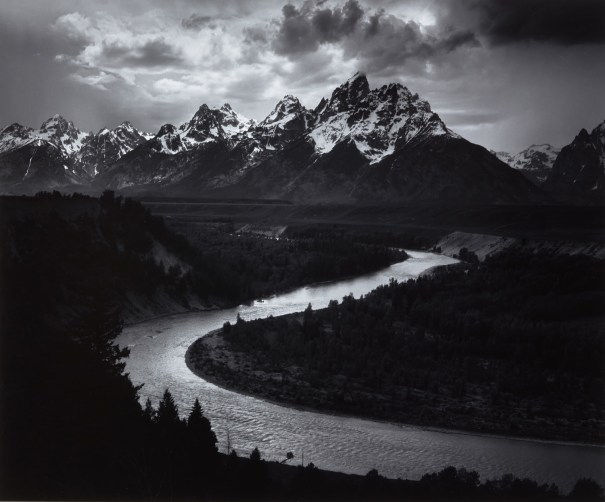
(80, 242)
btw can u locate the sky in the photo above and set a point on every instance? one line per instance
(502, 73)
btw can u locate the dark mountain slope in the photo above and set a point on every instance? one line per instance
(578, 173)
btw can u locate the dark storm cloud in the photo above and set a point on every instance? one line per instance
(566, 22)
(296, 33)
(455, 40)
(304, 29)
(379, 39)
(333, 24)
(196, 21)
(386, 42)
(255, 35)
(152, 53)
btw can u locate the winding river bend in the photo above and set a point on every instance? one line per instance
(157, 360)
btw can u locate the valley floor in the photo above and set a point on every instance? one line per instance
(426, 222)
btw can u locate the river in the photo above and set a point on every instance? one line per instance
(157, 360)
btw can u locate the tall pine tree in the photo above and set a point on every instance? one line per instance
(200, 431)
(168, 412)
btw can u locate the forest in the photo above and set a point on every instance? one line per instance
(117, 244)
(514, 345)
(251, 266)
(72, 427)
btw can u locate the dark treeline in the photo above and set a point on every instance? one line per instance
(118, 242)
(256, 266)
(111, 246)
(514, 345)
(365, 234)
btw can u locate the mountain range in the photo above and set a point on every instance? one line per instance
(535, 162)
(575, 173)
(380, 145)
(58, 155)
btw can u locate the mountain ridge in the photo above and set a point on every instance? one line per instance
(534, 162)
(579, 170)
(358, 144)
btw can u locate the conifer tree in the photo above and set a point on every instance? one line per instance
(149, 413)
(255, 455)
(200, 430)
(168, 412)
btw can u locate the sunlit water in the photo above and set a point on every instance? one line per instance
(157, 359)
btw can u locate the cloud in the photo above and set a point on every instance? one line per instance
(155, 52)
(255, 35)
(151, 43)
(296, 33)
(75, 27)
(377, 39)
(304, 29)
(100, 80)
(332, 24)
(538, 67)
(196, 21)
(564, 22)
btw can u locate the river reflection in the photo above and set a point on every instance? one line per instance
(157, 360)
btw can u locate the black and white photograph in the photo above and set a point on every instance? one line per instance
(323, 250)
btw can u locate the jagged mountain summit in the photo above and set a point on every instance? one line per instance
(376, 145)
(56, 130)
(58, 154)
(359, 144)
(374, 120)
(578, 173)
(380, 145)
(535, 162)
(101, 150)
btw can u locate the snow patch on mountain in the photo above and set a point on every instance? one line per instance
(535, 161)
(219, 148)
(62, 133)
(85, 153)
(14, 136)
(377, 121)
(232, 122)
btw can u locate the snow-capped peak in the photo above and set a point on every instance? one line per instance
(54, 121)
(16, 128)
(358, 75)
(62, 133)
(233, 123)
(101, 150)
(126, 125)
(205, 126)
(347, 96)
(377, 121)
(166, 129)
(285, 110)
(168, 140)
(14, 136)
(535, 162)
